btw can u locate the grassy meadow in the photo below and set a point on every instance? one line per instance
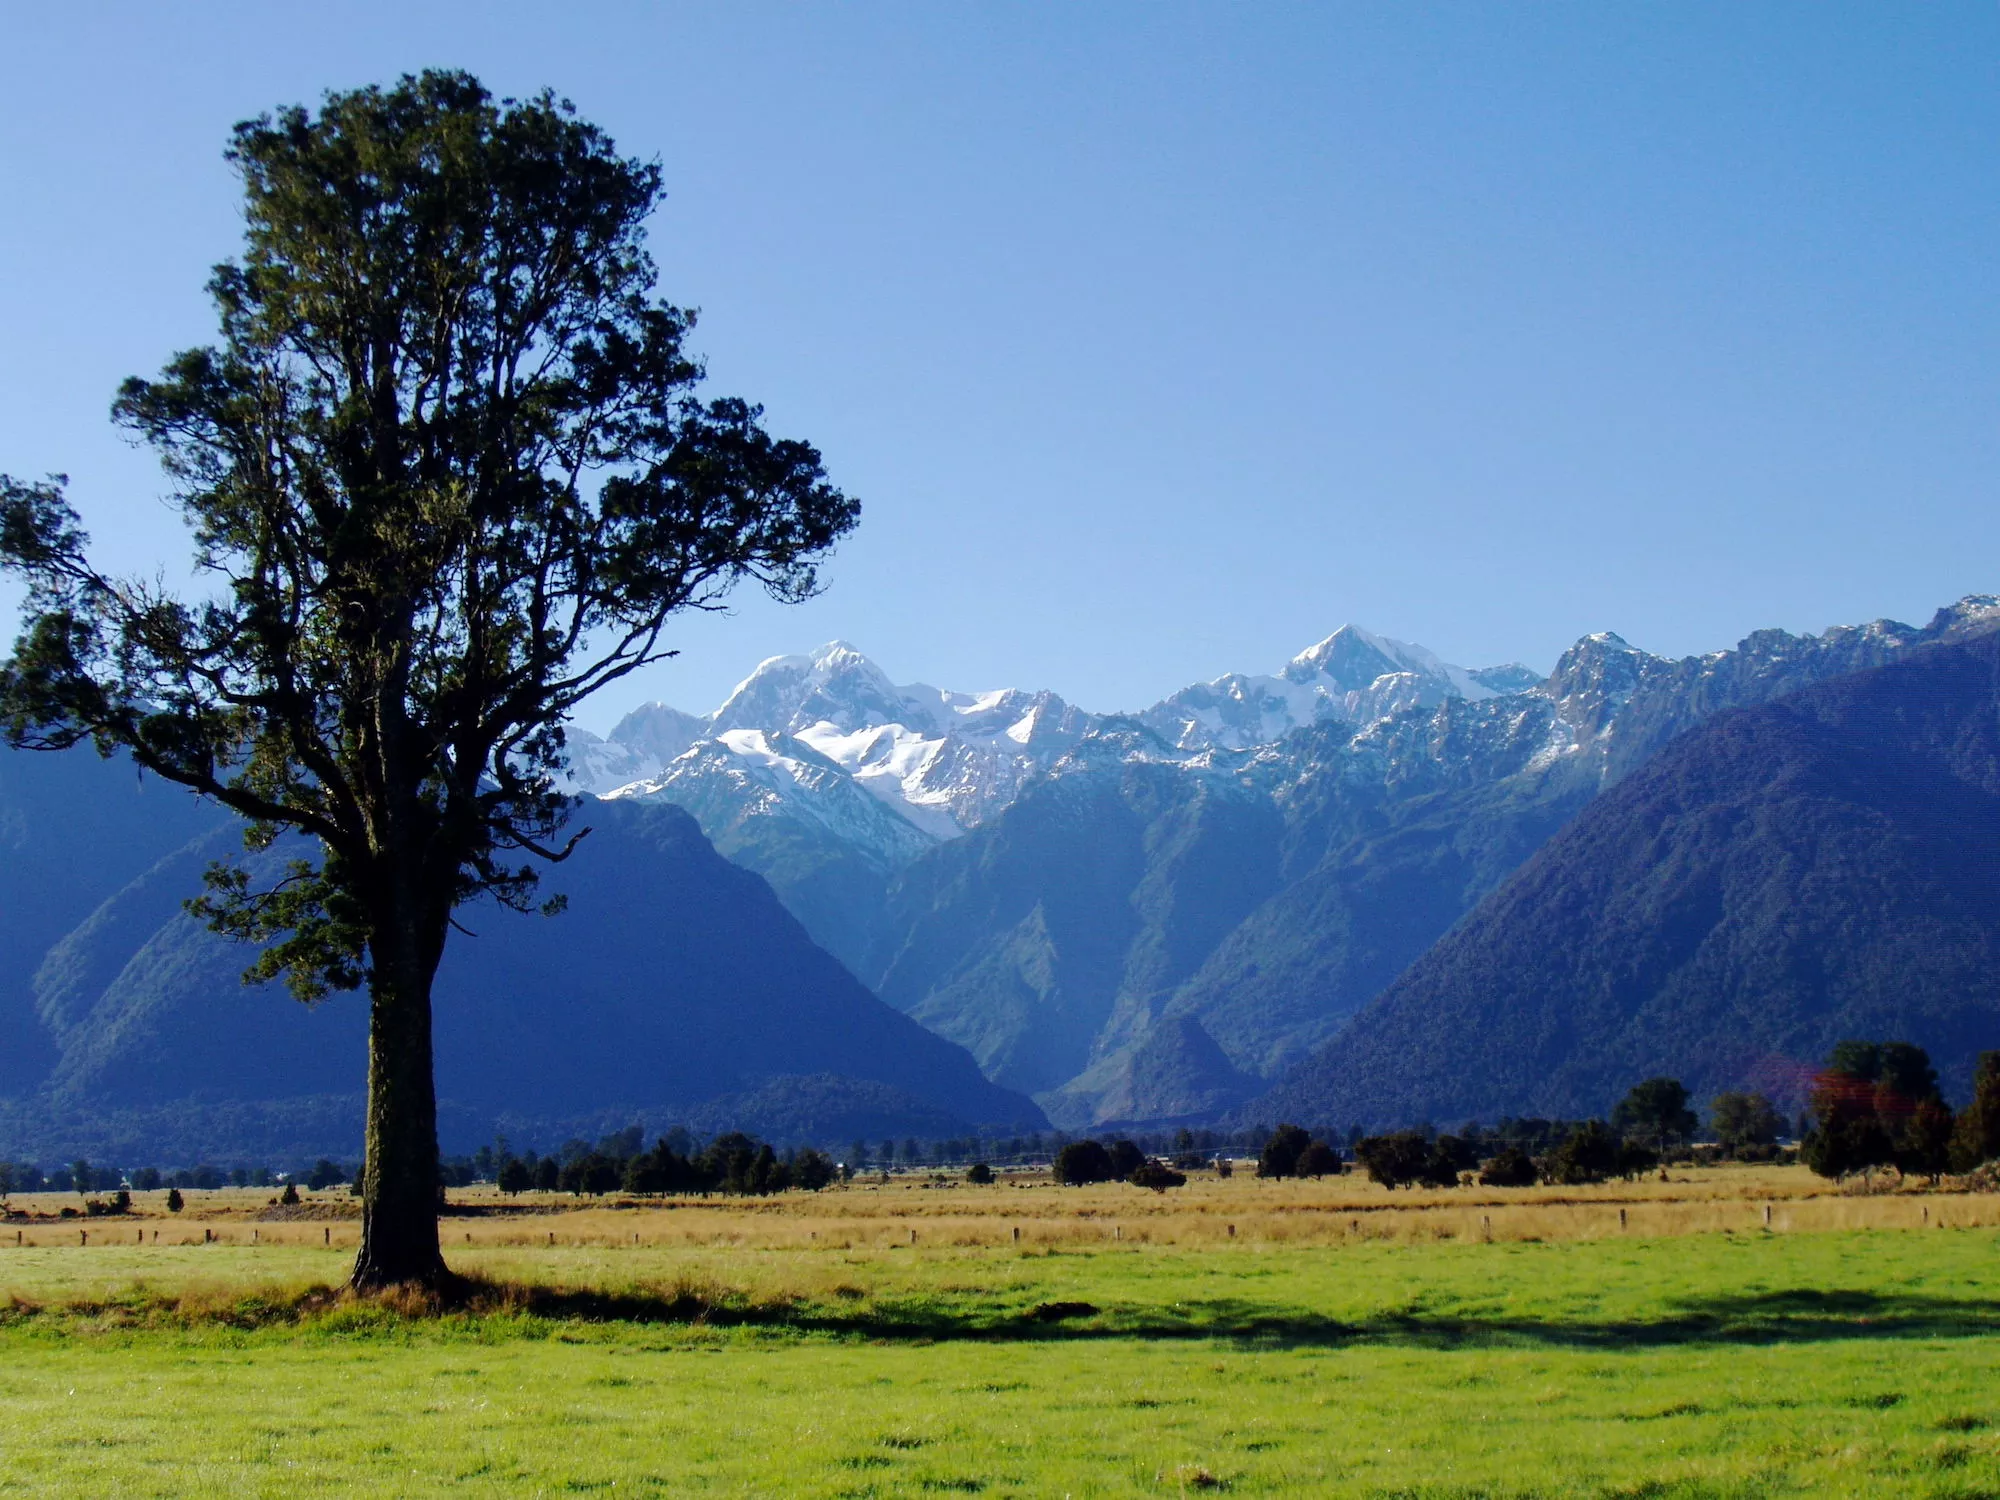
(900, 1340)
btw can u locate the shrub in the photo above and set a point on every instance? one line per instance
(1511, 1168)
(1158, 1176)
(1394, 1160)
(1318, 1160)
(1280, 1157)
(175, 1203)
(813, 1170)
(1082, 1162)
(1126, 1158)
(290, 1196)
(1223, 1168)
(1634, 1160)
(1745, 1123)
(1590, 1154)
(979, 1174)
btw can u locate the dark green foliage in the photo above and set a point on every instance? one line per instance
(592, 1173)
(146, 1179)
(979, 1174)
(1899, 1071)
(1774, 880)
(1922, 1141)
(515, 1176)
(1591, 1154)
(1318, 1160)
(1083, 1162)
(1745, 1122)
(810, 1170)
(1657, 1112)
(325, 1174)
(1156, 1175)
(290, 1196)
(1126, 1158)
(1876, 1104)
(548, 1175)
(1280, 1157)
(1976, 1138)
(1511, 1167)
(1635, 1159)
(1408, 1158)
(175, 1202)
(450, 476)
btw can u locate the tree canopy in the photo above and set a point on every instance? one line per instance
(1657, 1112)
(447, 474)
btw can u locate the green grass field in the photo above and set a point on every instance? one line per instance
(1718, 1364)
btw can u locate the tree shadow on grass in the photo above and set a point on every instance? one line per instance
(1794, 1316)
(1762, 1318)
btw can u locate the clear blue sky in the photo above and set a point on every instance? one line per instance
(1159, 340)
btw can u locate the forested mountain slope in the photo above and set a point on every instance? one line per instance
(1779, 879)
(74, 829)
(674, 983)
(1287, 884)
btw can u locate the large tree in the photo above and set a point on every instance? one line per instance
(1657, 1112)
(448, 474)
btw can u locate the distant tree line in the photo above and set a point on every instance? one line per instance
(1874, 1105)
(82, 1177)
(731, 1163)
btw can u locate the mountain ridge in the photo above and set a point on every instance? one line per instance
(1778, 878)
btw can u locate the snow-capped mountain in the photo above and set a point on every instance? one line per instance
(827, 778)
(937, 762)
(1352, 676)
(944, 762)
(1254, 898)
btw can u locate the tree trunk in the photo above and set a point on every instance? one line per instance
(399, 1183)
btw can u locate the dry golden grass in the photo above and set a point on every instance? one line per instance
(1029, 1211)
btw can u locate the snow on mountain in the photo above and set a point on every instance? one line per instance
(802, 733)
(1352, 675)
(749, 773)
(940, 761)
